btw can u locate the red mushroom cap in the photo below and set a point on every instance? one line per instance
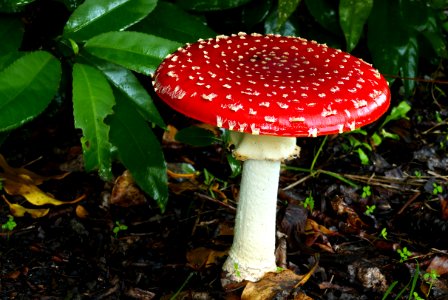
(272, 85)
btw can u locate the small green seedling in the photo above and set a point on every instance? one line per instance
(404, 254)
(10, 224)
(366, 192)
(417, 297)
(418, 173)
(437, 189)
(383, 233)
(309, 202)
(119, 227)
(430, 278)
(237, 271)
(370, 209)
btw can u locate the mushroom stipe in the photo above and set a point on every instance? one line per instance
(268, 90)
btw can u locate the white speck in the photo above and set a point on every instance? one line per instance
(312, 132)
(265, 104)
(296, 119)
(252, 111)
(359, 103)
(242, 126)
(227, 86)
(341, 128)
(254, 129)
(172, 74)
(334, 89)
(283, 105)
(235, 107)
(352, 125)
(322, 95)
(347, 113)
(328, 112)
(270, 119)
(353, 90)
(209, 97)
(219, 121)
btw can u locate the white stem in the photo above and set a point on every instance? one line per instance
(252, 252)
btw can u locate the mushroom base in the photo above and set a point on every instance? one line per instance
(252, 252)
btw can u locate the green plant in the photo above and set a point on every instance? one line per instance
(10, 224)
(437, 189)
(118, 228)
(369, 209)
(383, 233)
(366, 192)
(430, 278)
(103, 45)
(404, 254)
(309, 202)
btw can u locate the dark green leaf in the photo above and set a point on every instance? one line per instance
(409, 65)
(11, 33)
(125, 81)
(271, 25)
(133, 50)
(92, 103)
(13, 6)
(139, 151)
(325, 12)
(210, 5)
(285, 10)
(353, 15)
(196, 136)
(187, 28)
(386, 45)
(235, 165)
(26, 88)
(98, 16)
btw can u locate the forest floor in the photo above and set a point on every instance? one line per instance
(378, 230)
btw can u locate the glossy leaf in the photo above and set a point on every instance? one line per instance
(92, 103)
(353, 15)
(210, 5)
(409, 65)
(26, 88)
(98, 16)
(285, 10)
(187, 28)
(139, 151)
(11, 33)
(196, 136)
(325, 13)
(13, 6)
(126, 82)
(386, 45)
(133, 50)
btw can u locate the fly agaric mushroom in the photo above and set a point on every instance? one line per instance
(268, 90)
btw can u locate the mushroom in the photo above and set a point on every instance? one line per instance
(268, 90)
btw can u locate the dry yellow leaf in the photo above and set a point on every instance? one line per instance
(22, 182)
(19, 211)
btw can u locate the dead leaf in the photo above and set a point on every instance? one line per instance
(313, 231)
(33, 194)
(19, 211)
(22, 182)
(125, 192)
(81, 212)
(438, 265)
(25, 174)
(444, 207)
(271, 286)
(342, 208)
(200, 258)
